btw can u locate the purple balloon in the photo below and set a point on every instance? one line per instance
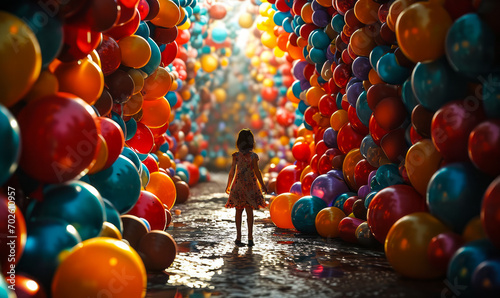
(371, 175)
(353, 93)
(321, 18)
(329, 186)
(330, 138)
(305, 84)
(329, 54)
(296, 188)
(298, 70)
(361, 67)
(316, 6)
(363, 191)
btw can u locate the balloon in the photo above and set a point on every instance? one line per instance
(454, 192)
(407, 243)
(149, 207)
(168, 15)
(143, 140)
(366, 11)
(361, 172)
(155, 59)
(47, 238)
(286, 177)
(388, 175)
(327, 222)
(110, 55)
(362, 41)
(111, 256)
(451, 126)
(114, 139)
(484, 145)
(134, 228)
(112, 215)
(158, 250)
(432, 22)
(135, 51)
(465, 261)
(281, 210)
(10, 151)
(182, 190)
(490, 99)
(364, 236)
(307, 181)
(65, 144)
(351, 160)
(485, 279)
(390, 71)
(155, 112)
(489, 212)
(304, 213)
(441, 249)
(301, 151)
(79, 40)
(422, 161)
(348, 138)
(470, 52)
(120, 184)
(163, 187)
(327, 187)
(391, 204)
(347, 229)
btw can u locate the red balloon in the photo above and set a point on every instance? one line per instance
(59, 137)
(390, 113)
(154, 8)
(297, 6)
(377, 92)
(484, 147)
(169, 53)
(127, 13)
(120, 85)
(194, 173)
(348, 204)
(347, 229)
(342, 74)
(325, 163)
(361, 172)
(143, 9)
(286, 177)
(441, 249)
(452, 125)
(356, 124)
(269, 94)
(314, 163)
(165, 35)
(348, 139)
(183, 37)
(101, 15)
(307, 180)
(113, 135)
(168, 214)
(301, 151)
(151, 163)
(490, 210)
(125, 29)
(394, 145)
(376, 131)
(389, 205)
(309, 116)
(321, 148)
(327, 105)
(110, 55)
(79, 41)
(318, 134)
(143, 140)
(414, 136)
(149, 207)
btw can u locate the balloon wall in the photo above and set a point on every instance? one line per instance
(376, 121)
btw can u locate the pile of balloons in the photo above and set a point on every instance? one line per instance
(400, 136)
(98, 148)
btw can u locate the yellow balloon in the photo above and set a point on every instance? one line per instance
(338, 119)
(220, 95)
(169, 14)
(209, 63)
(20, 58)
(245, 20)
(268, 40)
(327, 222)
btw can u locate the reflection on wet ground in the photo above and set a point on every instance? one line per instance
(283, 263)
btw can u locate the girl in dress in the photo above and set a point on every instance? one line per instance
(242, 187)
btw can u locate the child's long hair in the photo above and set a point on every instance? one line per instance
(245, 141)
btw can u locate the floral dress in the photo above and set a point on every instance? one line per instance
(245, 190)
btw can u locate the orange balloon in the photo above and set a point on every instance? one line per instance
(100, 267)
(291, 97)
(169, 14)
(281, 210)
(138, 79)
(366, 11)
(110, 230)
(338, 119)
(164, 161)
(163, 187)
(422, 161)
(20, 58)
(83, 78)
(314, 94)
(407, 243)
(305, 171)
(474, 230)
(46, 84)
(374, 78)
(327, 222)
(395, 10)
(295, 52)
(135, 51)
(421, 31)
(133, 105)
(351, 160)
(325, 3)
(155, 113)
(157, 84)
(362, 41)
(306, 12)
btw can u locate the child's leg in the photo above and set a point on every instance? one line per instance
(239, 212)
(249, 211)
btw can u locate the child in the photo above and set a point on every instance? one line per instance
(244, 192)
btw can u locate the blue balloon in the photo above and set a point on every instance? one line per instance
(287, 25)
(436, 83)
(465, 260)
(296, 188)
(155, 59)
(143, 30)
(46, 239)
(408, 97)
(11, 147)
(304, 213)
(390, 71)
(486, 278)
(388, 175)
(454, 194)
(376, 54)
(363, 111)
(130, 128)
(75, 202)
(338, 100)
(279, 18)
(120, 184)
(112, 215)
(321, 18)
(219, 34)
(470, 46)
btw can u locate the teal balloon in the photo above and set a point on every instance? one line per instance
(287, 25)
(390, 71)
(491, 100)
(369, 198)
(340, 200)
(376, 54)
(407, 96)
(319, 39)
(470, 46)
(119, 120)
(46, 239)
(182, 171)
(317, 56)
(155, 59)
(363, 111)
(436, 83)
(130, 128)
(120, 184)
(4, 290)
(112, 215)
(388, 175)
(133, 157)
(11, 147)
(219, 34)
(143, 30)
(75, 202)
(338, 23)
(279, 18)
(463, 263)
(454, 194)
(304, 213)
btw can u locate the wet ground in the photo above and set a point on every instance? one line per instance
(283, 263)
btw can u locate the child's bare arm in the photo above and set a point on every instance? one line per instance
(258, 174)
(231, 175)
